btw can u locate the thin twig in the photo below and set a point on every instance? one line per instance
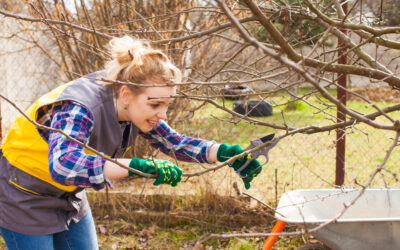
(265, 204)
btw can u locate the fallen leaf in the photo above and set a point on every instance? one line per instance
(102, 229)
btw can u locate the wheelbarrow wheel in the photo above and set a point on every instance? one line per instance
(313, 247)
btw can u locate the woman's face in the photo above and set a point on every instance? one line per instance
(146, 109)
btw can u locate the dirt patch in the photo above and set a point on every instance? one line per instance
(375, 94)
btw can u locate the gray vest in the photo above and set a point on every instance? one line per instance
(52, 210)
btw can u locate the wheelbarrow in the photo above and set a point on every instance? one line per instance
(372, 222)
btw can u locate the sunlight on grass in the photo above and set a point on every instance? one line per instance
(302, 161)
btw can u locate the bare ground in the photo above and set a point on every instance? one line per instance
(379, 94)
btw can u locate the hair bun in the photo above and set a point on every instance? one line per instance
(135, 61)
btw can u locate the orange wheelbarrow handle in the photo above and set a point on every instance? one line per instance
(279, 226)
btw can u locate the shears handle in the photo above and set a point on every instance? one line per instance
(250, 158)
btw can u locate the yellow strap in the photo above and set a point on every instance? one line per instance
(25, 189)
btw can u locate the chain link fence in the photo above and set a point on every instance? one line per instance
(25, 72)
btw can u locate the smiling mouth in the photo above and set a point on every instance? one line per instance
(152, 124)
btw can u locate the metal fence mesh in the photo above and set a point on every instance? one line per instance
(26, 73)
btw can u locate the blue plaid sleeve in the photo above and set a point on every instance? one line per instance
(184, 148)
(68, 163)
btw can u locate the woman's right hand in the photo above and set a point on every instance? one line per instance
(166, 172)
(225, 152)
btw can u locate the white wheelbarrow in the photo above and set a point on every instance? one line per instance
(372, 222)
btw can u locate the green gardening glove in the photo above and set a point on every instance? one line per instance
(167, 173)
(226, 151)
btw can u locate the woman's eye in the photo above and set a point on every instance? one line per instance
(155, 105)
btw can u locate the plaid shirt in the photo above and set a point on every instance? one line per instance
(70, 165)
(182, 147)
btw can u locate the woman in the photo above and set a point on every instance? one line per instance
(43, 174)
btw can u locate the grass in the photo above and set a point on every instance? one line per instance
(304, 161)
(185, 238)
(176, 238)
(300, 162)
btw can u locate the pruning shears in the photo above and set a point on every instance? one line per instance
(255, 154)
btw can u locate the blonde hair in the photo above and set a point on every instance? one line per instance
(136, 61)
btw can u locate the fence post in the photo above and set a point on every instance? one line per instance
(341, 114)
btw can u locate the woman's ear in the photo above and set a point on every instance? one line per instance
(126, 95)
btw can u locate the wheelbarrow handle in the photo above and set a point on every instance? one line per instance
(278, 228)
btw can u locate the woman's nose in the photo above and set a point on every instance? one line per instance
(163, 114)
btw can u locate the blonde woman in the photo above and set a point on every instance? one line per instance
(43, 174)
